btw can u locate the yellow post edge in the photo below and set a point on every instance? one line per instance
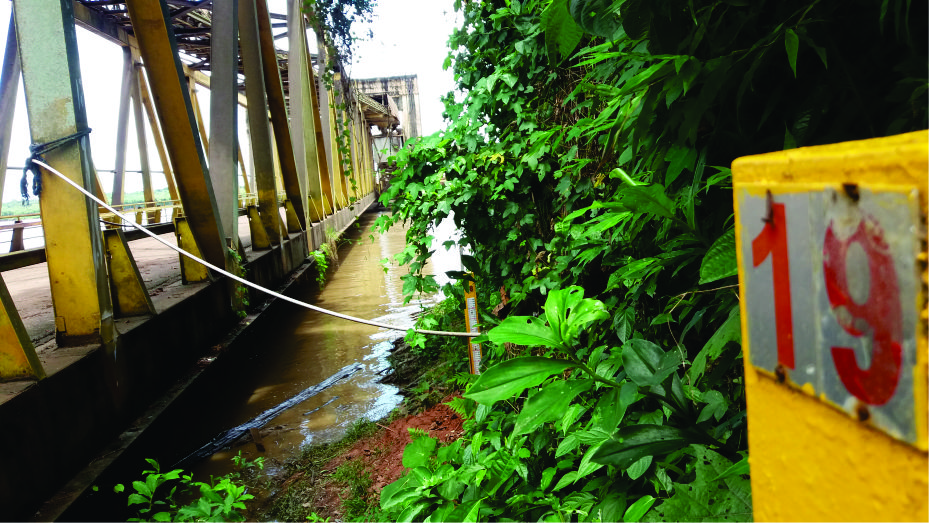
(831, 248)
(470, 312)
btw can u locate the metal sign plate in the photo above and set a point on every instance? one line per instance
(830, 293)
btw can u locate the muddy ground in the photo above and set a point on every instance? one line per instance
(342, 481)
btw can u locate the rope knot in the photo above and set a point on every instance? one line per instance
(37, 151)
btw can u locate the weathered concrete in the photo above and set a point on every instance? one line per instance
(69, 426)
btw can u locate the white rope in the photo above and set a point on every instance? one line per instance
(243, 280)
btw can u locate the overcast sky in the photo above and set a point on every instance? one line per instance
(410, 37)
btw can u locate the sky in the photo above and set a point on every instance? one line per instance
(410, 37)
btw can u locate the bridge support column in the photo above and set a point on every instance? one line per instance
(55, 103)
(259, 130)
(224, 124)
(294, 184)
(301, 105)
(9, 86)
(151, 23)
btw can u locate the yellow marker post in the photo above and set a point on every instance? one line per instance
(474, 349)
(831, 245)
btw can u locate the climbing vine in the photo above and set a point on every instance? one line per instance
(333, 19)
(587, 168)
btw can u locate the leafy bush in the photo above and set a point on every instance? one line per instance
(587, 167)
(222, 499)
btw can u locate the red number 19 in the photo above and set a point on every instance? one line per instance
(773, 240)
(880, 316)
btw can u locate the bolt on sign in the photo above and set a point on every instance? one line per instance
(831, 246)
(474, 349)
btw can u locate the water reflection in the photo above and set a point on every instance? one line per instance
(301, 348)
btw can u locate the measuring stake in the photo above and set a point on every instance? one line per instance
(474, 349)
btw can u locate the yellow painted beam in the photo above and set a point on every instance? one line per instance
(151, 24)
(156, 133)
(198, 116)
(260, 240)
(293, 224)
(836, 363)
(18, 359)
(327, 202)
(262, 142)
(191, 271)
(301, 107)
(136, 93)
(127, 289)
(73, 243)
(294, 186)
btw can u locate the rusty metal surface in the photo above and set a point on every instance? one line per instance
(192, 22)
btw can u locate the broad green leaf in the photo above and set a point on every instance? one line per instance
(419, 452)
(558, 304)
(451, 488)
(729, 331)
(562, 34)
(525, 330)
(720, 260)
(397, 492)
(588, 466)
(792, 43)
(597, 17)
(638, 509)
(411, 512)
(507, 379)
(440, 514)
(633, 443)
(569, 444)
(638, 468)
(584, 313)
(647, 199)
(716, 406)
(142, 487)
(565, 480)
(571, 415)
(611, 508)
(648, 364)
(547, 476)
(548, 404)
(737, 469)
(705, 499)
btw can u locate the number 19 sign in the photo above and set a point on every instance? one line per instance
(830, 292)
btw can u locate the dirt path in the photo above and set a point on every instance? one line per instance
(348, 485)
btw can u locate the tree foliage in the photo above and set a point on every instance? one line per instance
(592, 149)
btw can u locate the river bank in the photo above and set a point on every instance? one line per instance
(342, 480)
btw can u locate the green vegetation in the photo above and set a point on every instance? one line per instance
(300, 501)
(587, 167)
(222, 499)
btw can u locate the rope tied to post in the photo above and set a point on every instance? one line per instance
(37, 152)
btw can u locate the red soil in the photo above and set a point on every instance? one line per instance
(382, 453)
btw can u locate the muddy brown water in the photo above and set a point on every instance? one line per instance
(311, 347)
(293, 349)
